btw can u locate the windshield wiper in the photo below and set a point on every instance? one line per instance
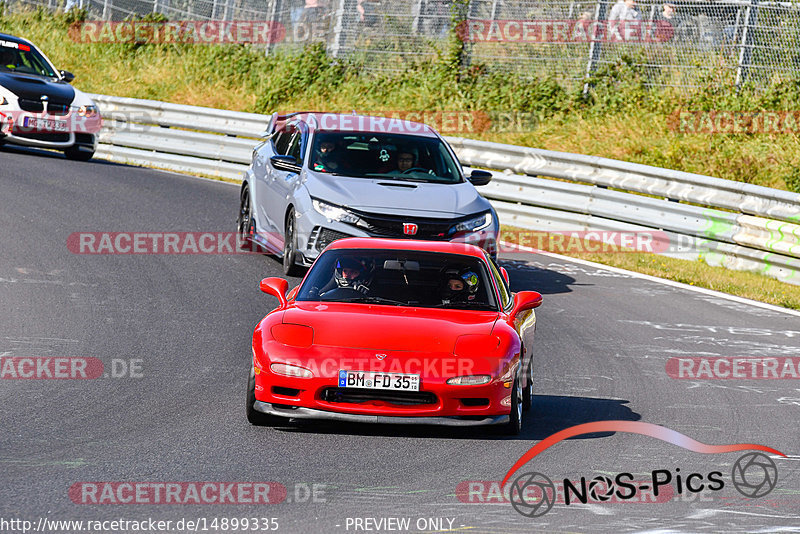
(395, 177)
(466, 305)
(374, 300)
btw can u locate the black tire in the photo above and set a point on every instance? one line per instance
(527, 391)
(255, 417)
(514, 425)
(290, 267)
(75, 153)
(245, 225)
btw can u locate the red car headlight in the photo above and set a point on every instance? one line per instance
(475, 345)
(469, 380)
(286, 369)
(294, 335)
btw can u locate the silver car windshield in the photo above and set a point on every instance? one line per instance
(18, 57)
(384, 156)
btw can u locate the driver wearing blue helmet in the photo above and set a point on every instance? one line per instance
(349, 273)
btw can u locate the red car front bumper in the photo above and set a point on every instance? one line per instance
(436, 402)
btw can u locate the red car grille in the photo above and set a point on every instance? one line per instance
(357, 396)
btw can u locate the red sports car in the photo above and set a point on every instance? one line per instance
(395, 331)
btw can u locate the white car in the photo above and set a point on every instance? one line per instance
(39, 107)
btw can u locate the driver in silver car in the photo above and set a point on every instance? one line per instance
(326, 158)
(405, 161)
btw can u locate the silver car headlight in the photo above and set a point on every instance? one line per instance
(473, 225)
(334, 213)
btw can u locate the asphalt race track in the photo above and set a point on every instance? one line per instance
(173, 335)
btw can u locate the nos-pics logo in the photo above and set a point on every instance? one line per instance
(533, 494)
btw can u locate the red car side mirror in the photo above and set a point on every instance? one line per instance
(276, 287)
(526, 300)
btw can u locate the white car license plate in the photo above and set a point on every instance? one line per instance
(372, 380)
(48, 125)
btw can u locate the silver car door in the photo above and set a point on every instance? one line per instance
(284, 183)
(267, 192)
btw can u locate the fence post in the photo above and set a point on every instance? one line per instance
(594, 45)
(746, 50)
(107, 7)
(416, 14)
(273, 12)
(493, 16)
(339, 30)
(463, 14)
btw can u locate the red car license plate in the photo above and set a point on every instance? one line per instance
(373, 380)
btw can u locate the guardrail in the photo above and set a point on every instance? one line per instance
(760, 231)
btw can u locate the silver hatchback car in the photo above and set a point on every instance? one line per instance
(319, 177)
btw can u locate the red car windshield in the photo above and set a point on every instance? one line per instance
(400, 278)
